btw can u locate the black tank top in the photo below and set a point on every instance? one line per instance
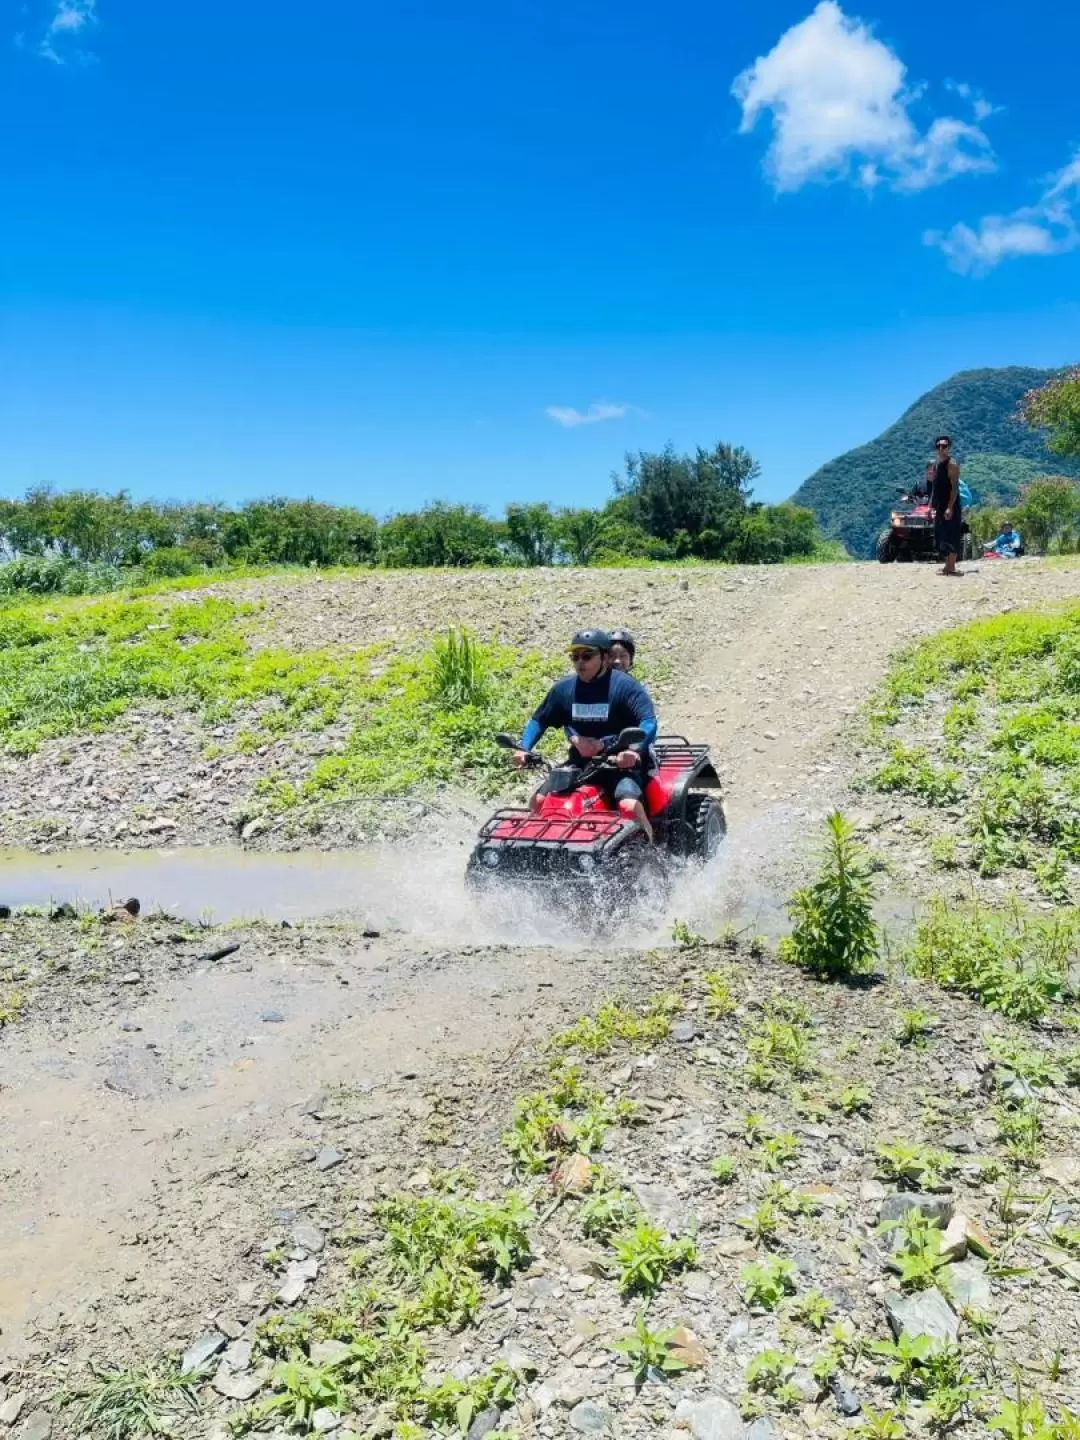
(943, 487)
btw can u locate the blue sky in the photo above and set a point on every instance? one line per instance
(387, 254)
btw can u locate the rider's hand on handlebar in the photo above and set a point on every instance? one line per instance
(627, 759)
(520, 759)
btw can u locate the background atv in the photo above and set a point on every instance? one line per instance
(573, 836)
(910, 535)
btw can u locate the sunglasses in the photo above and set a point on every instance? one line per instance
(583, 654)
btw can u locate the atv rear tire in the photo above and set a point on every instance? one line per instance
(886, 550)
(707, 824)
(967, 548)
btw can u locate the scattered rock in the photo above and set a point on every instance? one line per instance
(1063, 1170)
(330, 1352)
(589, 1419)
(938, 1208)
(573, 1176)
(12, 1407)
(715, 1418)
(484, 1423)
(309, 1237)
(762, 1429)
(236, 1387)
(685, 1346)
(327, 1158)
(132, 977)
(969, 1285)
(316, 1105)
(926, 1313)
(325, 1420)
(203, 1350)
(272, 1017)
(518, 1359)
(38, 1426)
(238, 1355)
(847, 1402)
(684, 1031)
(580, 1260)
(663, 1207)
(954, 1242)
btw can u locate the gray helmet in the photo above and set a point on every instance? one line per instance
(591, 640)
(626, 640)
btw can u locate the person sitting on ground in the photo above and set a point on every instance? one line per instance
(1008, 544)
(623, 650)
(595, 705)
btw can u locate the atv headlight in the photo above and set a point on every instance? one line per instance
(586, 863)
(492, 858)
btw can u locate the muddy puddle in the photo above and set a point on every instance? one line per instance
(419, 890)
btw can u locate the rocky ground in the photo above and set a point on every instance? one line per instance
(192, 1145)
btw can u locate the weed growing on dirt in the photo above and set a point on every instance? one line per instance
(647, 1257)
(647, 1350)
(126, 1404)
(1013, 962)
(11, 1007)
(812, 1309)
(571, 1118)
(766, 1282)
(459, 673)
(1020, 1132)
(910, 771)
(912, 1166)
(834, 934)
(725, 1170)
(615, 1023)
(915, 1025)
(719, 1000)
(918, 1256)
(769, 1370)
(609, 1212)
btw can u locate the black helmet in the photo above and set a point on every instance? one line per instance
(626, 640)
(591, 640)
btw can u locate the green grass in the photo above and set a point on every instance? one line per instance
(416, 721)
(1010, 691)
(1014, 962)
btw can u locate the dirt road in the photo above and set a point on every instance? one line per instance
(149, 1127)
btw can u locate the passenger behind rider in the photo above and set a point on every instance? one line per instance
(1008, 544)
(623, 649)
(594, 705)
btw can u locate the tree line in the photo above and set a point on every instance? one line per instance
(665, 506)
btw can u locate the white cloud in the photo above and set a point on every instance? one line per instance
(1049, 227)
(69, 19)
(601, 410)
(839, 103)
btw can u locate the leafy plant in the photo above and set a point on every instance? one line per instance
(1020, 1130)
(880, 1424)
(854, 1099)
(769, 1370)
(648, 1350)
(686, 938)
(834, 934)
(613, 1023)
(608, 1212)
(725, 1170)
(910, 771)
(719, 999)
(762, 1224)
(919, 1257)
(915, 1025)
(813, 1309)
(911, 1166)
(765, 1283)
(778, 1150)
(647, 1257)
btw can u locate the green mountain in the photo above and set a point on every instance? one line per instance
(852, 495)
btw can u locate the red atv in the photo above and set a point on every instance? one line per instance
(572, 835)
(910, 535)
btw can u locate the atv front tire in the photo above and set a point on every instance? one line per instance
(886, 550)
(707, 824)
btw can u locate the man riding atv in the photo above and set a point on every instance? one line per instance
(594, 705)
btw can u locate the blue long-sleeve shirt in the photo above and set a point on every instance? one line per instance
(597, 710)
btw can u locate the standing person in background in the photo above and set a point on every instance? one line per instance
(945, 501)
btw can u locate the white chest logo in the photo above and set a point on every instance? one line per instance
(590, 712)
